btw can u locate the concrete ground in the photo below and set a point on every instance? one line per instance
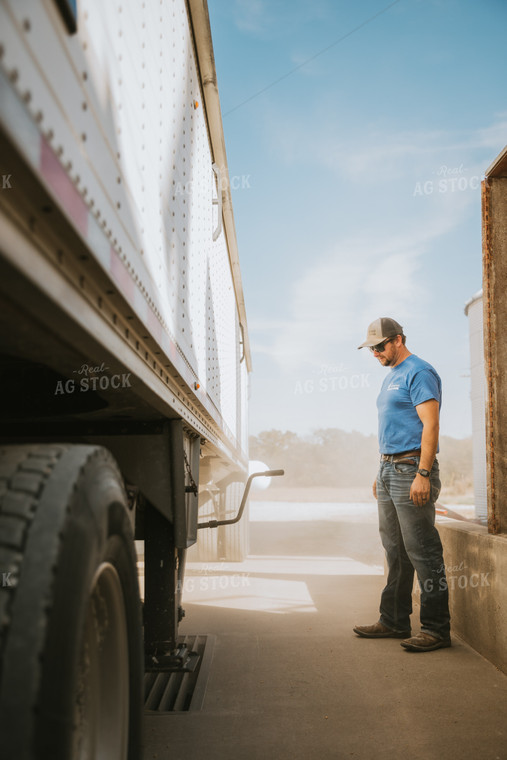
(289, 679)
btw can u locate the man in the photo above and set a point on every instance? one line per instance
(406, 489)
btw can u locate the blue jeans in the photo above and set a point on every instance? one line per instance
(411, 542)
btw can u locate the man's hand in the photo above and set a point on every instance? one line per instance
(420, 490)
(428, 411)
(374, 488)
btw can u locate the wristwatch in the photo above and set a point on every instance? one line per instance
(424, 473)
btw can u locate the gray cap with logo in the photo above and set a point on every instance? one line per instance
(381, 329)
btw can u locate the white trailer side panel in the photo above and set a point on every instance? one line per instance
(122, 144)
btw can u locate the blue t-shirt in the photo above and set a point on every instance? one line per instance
(408, 384)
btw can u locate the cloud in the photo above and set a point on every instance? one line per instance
(380, 268)
(494, 135)
(251, 16)
(374, 154)
(269, 19)
(333, 300)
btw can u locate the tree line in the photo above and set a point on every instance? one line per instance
(336, 458)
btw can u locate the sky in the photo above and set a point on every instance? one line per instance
(357, 135)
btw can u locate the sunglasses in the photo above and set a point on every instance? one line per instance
(380, 346)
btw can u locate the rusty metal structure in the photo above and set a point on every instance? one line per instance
(494, 216)
(478, 594)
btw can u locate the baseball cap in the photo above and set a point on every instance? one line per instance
(380, 329)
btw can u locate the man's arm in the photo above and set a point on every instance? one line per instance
(428, 413)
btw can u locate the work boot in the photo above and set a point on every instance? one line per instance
(379, 631)
(425, 642)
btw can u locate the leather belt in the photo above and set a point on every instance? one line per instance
(399, 457)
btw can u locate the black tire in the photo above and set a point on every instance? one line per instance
(70, 623)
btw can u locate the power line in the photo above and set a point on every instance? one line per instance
(313, 57)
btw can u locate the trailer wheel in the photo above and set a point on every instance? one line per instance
(70, 624)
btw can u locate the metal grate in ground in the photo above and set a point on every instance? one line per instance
(181, 691)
